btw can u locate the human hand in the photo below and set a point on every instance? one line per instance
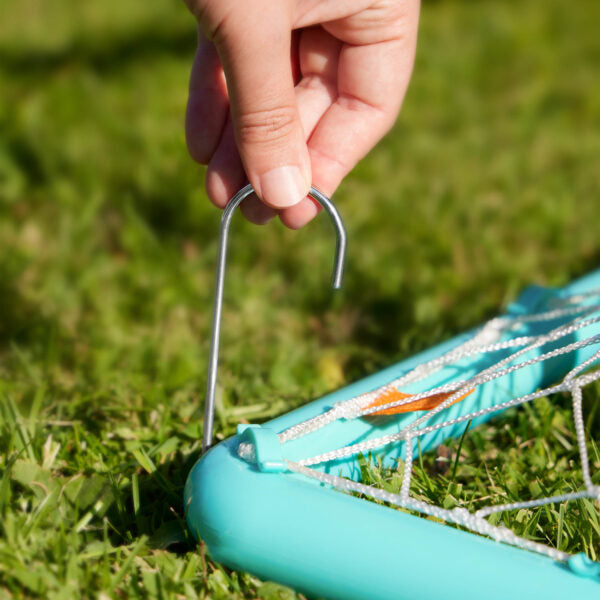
(284, 122)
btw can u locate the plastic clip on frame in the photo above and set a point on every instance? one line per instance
(261, 516)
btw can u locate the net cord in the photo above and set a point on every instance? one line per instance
(486, 340)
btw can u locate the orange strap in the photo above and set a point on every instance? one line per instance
(427, 403)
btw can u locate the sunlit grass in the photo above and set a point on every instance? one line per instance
(528, 453)
(107, 251)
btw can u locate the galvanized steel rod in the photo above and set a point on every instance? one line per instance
(213, 361)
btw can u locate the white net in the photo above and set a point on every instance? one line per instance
(565, 326)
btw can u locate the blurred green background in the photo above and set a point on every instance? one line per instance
(488, 182)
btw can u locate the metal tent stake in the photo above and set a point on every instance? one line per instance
(338, 270)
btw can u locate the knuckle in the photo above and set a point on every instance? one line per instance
(214, 17)
(267, 126)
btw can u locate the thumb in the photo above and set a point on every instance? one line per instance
(253, 43)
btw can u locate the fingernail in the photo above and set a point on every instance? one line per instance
(282, 187)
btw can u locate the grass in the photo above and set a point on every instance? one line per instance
(107, 252)
(529, 453)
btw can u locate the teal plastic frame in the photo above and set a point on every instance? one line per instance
(284, 527)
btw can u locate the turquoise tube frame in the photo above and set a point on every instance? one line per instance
(288, 528)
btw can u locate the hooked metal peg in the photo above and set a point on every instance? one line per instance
(338, 271)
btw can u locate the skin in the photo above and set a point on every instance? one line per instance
(289, 93)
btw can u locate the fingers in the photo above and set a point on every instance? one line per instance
(209, 134)
(372, 73)
(316, 91)
(348, 98)
(254, 47)
(225, 176)
(372, 79)
(317, 86)
(358, 118)
(256, 211)
(207, 103)
(298, 216)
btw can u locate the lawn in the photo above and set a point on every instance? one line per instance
(488, 182)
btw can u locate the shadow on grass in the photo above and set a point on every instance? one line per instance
(152, 506)
(99, 54)
(169, 211)
(387, 326)
(21, 322)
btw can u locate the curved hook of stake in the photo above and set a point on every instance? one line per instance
(338, 271)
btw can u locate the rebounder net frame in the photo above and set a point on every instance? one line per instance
(547, 343)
